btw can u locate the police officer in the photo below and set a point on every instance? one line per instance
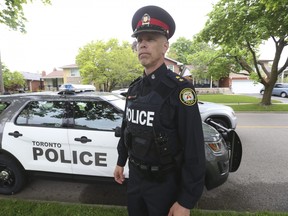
(162, 133)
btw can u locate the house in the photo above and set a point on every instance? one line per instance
(241, 83)
(235, 83)
(53, 80)
(33, 82)
(71, 74)
(173, 65)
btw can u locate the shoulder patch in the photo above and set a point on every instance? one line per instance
(188, 96)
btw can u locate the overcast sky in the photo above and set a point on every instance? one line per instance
(56, 32)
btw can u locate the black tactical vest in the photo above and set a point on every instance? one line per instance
(146, 138)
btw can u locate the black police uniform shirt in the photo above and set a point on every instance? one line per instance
(167, 110)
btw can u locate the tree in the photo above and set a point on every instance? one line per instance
(206, 60)
(108, 64)
(12, 15)
(239, 27)
(181, 49)
(13, 81)
(209, 62)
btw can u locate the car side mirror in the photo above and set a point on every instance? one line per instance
(117, 132)
(235, 146)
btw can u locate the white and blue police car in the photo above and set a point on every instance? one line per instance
(73, 135)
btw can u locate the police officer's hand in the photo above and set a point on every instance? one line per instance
(118, 174)
(178, 210)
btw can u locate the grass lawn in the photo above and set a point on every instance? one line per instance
(244, 103)
(13, 207)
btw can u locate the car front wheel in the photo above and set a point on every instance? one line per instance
(12, 176)
(283, 95)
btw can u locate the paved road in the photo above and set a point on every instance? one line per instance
(261, 183)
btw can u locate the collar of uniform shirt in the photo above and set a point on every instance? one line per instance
(155, 77)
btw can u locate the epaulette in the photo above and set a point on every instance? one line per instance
(177, 79)
(170, 82)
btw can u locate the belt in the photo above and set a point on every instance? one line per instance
(151, 168)
(144, 167)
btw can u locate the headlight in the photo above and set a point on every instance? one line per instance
(218, 147)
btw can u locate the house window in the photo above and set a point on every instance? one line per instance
(75, 72)
(171, 67)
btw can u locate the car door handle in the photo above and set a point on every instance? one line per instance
(83, 139)
(15, 134)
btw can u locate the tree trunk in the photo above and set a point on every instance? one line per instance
(266, 99)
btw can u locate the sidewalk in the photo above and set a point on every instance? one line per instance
(282, 100)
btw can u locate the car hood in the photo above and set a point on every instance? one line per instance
(206, 106)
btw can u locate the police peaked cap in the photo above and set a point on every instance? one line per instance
(153, 19)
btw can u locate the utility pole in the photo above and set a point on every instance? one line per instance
(1, 77)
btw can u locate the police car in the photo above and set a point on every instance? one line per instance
(221, 114)
(73, 135)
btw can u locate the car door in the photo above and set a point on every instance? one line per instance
(91, 137)
(277, 89)
(38, 137)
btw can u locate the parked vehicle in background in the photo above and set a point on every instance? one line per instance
(77, 87)
(219, 113)
(280, 89)
(75, 136)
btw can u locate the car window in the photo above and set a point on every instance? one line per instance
(97, 115)
(42, 113)
(3, 106)
(281, 86)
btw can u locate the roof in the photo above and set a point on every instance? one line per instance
(55, 74)
(172, 60)
(69, 66)
(31, 76)
(242, 75)
(53, 95)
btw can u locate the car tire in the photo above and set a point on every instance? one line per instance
(262, 92)
(283, 94)
(12, 176)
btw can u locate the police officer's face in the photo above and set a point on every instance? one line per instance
(151, 48)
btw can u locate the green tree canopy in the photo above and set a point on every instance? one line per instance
(108, 63)
(207, 61)
(12, 14)
(13, 81)
(239, 27)
(181, 49)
